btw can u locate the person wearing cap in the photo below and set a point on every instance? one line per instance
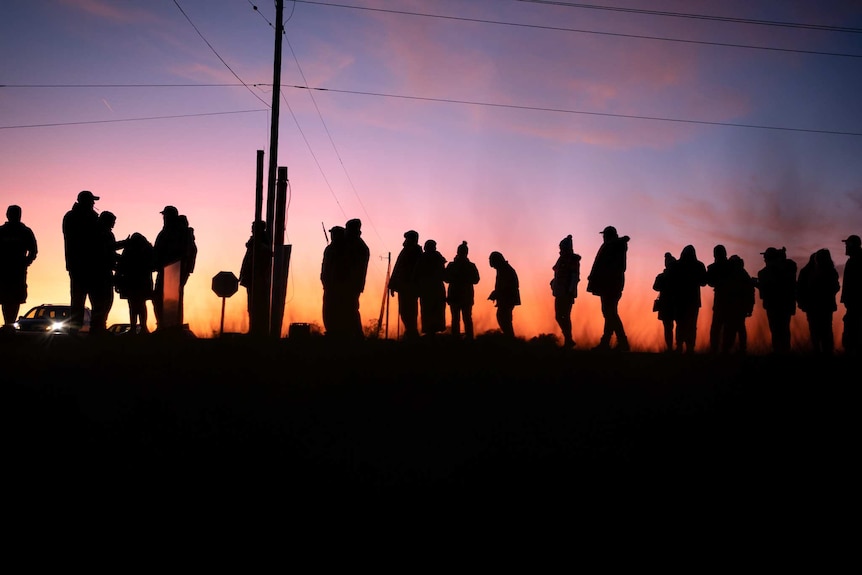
(564, 288)
(506, 294)
(357, 255)
(18, 249)
(332, 271)
(170, 247)
(402, 282)
(461, 274)
(776, 283)
(81, 245)
(851, 296)
(606, 280)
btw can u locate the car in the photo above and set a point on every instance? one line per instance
(50, 319)
(122, 328)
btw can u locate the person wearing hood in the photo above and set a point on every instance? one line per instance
(402, 282)
(607, 280)
(564, 288)
(462, 275)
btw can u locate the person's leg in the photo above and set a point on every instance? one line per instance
(504, 320)
(408, 309)
(607, 314)
(617, 323)
(455, 310)
(563, 315)
(715, 331)
(159, 297)
(78, 299)
(667, 324)
(10, 312)
(467, 313)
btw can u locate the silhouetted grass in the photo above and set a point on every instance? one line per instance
(485, 419)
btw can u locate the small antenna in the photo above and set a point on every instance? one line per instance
(324, 233)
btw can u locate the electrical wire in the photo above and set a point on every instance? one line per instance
(583, 31)
(217, 54)
(332, 142)
(582, 112)
(730, 19)
(116, 120)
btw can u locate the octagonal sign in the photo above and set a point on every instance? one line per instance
(225, 284)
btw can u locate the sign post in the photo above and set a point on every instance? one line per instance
(225, 284)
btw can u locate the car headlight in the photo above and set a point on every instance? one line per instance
(57, 326)
(16, 325)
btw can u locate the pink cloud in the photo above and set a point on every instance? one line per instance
(109, 10)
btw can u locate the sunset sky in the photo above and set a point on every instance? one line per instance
(505, 123)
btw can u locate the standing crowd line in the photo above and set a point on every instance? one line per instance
(426, 284)
(99, 266)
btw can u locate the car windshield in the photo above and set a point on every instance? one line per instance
(53, 313)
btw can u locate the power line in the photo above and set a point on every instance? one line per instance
(221, 85)
(730, 19)
(580, 112)
(217, 54)
(583, 31)
(115, 120)
(331, 141)
(441, 100)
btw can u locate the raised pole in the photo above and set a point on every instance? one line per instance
(276, 99)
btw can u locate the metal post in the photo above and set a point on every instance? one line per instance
(279, 264)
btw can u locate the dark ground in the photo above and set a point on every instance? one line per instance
(507, 425)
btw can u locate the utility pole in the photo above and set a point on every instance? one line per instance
(271, 290)
(273, 131)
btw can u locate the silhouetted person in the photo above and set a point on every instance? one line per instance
(606, 280)
(402, 282)
(665, 303)
(506, 294)
(816, 289)
(716, 277)
(106, 258)
(851, 296)
(428, 276)
(690, 276)
(564, 288)
(170, 247)
(81, 243)
(254, 275)
(461, 274)
(332, 278)
(358, 255)
(740, 305)
(776, 282)
(134, 280)
(17, 251)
